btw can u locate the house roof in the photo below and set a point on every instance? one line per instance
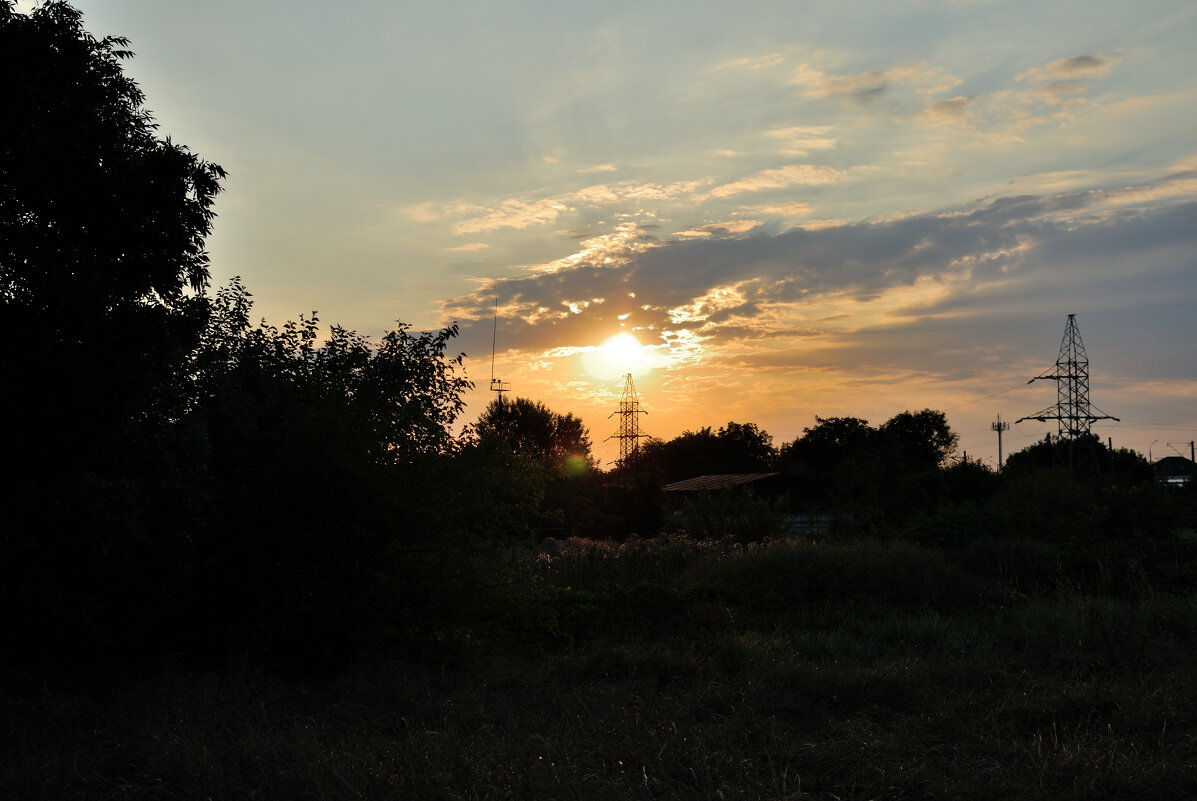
(1174, 466)
(716, 482)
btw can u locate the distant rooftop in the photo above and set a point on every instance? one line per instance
(716, 482)
(1174, 469)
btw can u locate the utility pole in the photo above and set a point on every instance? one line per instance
(1191, 449)
(999, 427)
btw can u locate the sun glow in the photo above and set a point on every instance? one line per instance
(617, 356)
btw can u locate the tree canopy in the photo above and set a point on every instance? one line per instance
(530, 428)
(102, 229)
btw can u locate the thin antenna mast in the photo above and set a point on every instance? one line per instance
(496, 384)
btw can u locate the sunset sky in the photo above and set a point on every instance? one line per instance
(796, 208)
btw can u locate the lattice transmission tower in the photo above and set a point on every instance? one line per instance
(629, 421)
(1073, 412)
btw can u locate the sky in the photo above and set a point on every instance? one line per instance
(797, 209)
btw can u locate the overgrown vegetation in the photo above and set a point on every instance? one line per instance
(673, 668)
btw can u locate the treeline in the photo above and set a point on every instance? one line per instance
(904, 477)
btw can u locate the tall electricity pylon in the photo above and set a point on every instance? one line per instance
(1073, 412)
(629, 422)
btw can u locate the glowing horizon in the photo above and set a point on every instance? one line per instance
(796, 210)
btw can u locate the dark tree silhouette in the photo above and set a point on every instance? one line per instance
(530, 428)
(837, 462)
(918, 441)
(102, 228)
(832, 440)
(102, 262)
(331, 467)
(890, 471)
(734, 448)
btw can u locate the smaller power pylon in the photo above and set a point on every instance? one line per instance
(999, 426)
(1073, 412)
(629, 422)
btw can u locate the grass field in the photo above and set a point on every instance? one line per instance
(669, 669)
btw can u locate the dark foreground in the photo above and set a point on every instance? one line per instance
(670, 669)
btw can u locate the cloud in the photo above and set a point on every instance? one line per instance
(800, 140)
(521, 213)
(1072, 69)
(470, 248)
(1065, 80)
(793, 208)
(720, 228)
(865, 87)
(514, 213)
(780, 178)
(950, 109)
(767, 61)
(600, 168)
(841, 279)
(651, 191)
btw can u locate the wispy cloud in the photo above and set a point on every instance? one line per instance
(522, 213)
(948, 110)
(720, 228)
(793, 208)
(1072, 69)
(799, 140)
(1066, 79)
(514, 214)
(780, 178)
(865, 87)
(766, 61)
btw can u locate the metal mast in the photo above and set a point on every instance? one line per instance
(629, 421)
(999, 427)
(496, 384)
(1073, 412)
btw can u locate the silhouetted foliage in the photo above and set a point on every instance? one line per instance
(734, 448)
(918, 441)
(557, 452)
(102, 228)
(969, 481)
(329, 462)
(837, 461)
(1087, 456)
(530, 428)
(890, 471)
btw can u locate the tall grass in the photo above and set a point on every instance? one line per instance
(675, 669)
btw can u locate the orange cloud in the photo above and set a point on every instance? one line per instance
(780, 178)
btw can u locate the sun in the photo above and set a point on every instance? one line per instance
(617, 356)
(623, 348)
